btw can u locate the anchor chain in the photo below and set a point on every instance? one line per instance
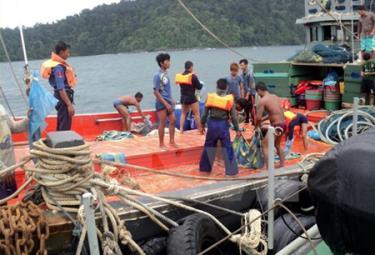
(18, 224)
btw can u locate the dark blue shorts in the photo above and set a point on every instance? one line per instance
(159, 106)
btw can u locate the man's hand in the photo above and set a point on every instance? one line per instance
(71, 110)
(9, 179)
(169, 108)
(203, 130)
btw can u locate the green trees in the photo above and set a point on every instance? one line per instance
(148, 25)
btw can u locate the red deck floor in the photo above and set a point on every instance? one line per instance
(145, 151)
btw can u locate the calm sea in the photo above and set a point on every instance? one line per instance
(103, 78)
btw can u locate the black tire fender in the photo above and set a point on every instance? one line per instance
(197, 233)
(155, 246)
(283, 235)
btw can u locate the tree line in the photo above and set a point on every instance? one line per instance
(154, 25)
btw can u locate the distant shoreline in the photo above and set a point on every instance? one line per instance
(157, 51)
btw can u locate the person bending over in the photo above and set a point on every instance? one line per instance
(271, 104)
(122, 106)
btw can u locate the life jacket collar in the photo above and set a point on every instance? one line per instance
(184, 79)
(220, 102)
(47, 67)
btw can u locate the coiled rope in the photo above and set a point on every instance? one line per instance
(338, 126)
(66, 174)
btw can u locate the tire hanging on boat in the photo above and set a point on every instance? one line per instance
(155, 246)
(286, 229)
(283, 189)
(197, 233)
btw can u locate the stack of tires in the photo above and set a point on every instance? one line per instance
(286, 229)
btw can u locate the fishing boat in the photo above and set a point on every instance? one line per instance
(173, 174)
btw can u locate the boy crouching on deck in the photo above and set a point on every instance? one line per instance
(219, 108)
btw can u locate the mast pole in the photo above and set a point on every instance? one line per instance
(352, 34)
(23, 46)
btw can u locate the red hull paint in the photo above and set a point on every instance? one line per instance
(89, 126)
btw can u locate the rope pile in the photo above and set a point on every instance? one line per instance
(64, 175)
(338, 126)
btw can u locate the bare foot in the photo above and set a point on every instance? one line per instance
(163, 147)
(181, 131)
(173, 144)
(279, 165)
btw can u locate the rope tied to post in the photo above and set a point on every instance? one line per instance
(251, 240)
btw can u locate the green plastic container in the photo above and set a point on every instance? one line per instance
(332, 106)
(314, 94)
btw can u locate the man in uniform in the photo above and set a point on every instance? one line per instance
(219, 109)
(62, 78)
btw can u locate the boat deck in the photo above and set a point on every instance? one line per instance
(145, 152)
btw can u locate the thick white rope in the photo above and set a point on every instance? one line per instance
(251, 241)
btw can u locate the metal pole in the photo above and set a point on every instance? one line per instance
(271, 183)
(353, 54)
(355, 115)
(90, 223)
(23, 46)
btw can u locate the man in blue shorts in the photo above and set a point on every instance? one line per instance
(122, 106)
(367, 30)
(164, 102)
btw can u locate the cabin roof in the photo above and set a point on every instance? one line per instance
(324, 17)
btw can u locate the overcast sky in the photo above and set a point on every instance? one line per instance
(30, 12)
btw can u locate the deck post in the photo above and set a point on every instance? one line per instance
(355, 116)
(90, 223)
(271, 184)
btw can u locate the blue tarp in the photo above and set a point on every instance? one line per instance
(42, 102)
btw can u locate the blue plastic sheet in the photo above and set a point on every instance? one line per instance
(42, 102)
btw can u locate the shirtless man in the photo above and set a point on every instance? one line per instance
(121, 104)
(271, 105)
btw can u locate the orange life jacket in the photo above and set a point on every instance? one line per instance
(47, 66)
(221, 102)
(185, 79)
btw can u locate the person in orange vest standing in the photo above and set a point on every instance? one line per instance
(189, 83)
(62, 78)
(219, 108)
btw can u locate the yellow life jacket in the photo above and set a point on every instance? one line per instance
(289, 116)
(185, 79)
(47, 66)
(221, 102)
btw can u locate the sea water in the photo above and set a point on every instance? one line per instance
(103, 78)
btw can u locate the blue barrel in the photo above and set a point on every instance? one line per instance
(190, 120)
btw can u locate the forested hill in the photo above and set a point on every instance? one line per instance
(150, 25)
